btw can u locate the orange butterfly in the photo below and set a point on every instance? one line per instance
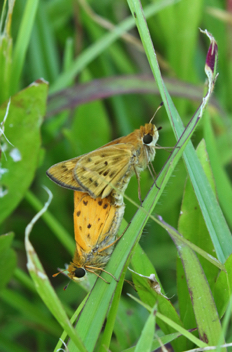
(96, 222)
(109, 168)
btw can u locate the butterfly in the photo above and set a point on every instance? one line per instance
(96, 223)
(108, 169)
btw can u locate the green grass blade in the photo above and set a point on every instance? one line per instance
(22, 42)
(108, 331)
(142, 265)
(158, 342)
(146, 337)
(175, 326)
(72, 320)
(192, 226)
(205, 311)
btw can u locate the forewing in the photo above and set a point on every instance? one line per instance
(63, 174)
(95, 171)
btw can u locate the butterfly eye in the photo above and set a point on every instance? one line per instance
(147, 139)
(79, 273)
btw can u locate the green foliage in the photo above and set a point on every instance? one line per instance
(76, 48)
(21, 151)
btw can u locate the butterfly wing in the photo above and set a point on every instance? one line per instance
(93, 221)
(63, 174)
(97, 171)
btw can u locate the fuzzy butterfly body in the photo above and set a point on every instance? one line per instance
(96, 222)
(107, 170)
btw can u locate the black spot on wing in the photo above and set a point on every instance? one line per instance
(85, 202)
(78, 213)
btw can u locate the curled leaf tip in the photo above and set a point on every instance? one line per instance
(211, 58)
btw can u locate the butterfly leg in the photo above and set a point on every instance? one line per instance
(93, 272)
(117, 239)
(152, 172)
(139, 189)
(93, 267)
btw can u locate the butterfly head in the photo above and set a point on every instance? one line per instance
(76, 273)
(149, 135)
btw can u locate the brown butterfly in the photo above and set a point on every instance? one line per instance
(109, 168)
(96, 223)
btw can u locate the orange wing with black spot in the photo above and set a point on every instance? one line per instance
(94, 220)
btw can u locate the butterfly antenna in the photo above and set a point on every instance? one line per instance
(61, 271)
(66, 286)
(160, 106)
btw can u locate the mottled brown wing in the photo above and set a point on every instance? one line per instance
(63, 174)
(95, 171)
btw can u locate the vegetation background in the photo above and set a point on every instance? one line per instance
(69, 43)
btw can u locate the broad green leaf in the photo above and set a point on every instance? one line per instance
(7, 259)
(20, 158)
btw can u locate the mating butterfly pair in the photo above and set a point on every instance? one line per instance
(99, 180)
